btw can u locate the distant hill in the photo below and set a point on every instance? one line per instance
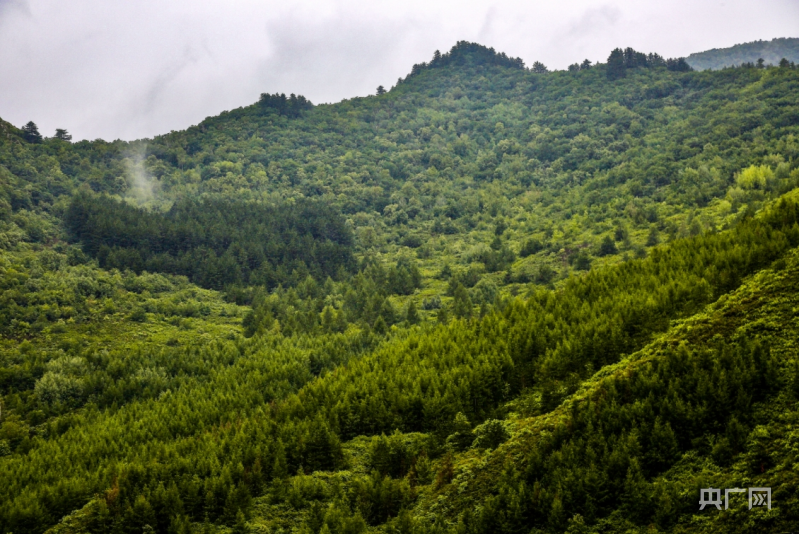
(771, 52)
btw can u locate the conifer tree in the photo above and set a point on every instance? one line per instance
(411, 314)
(62, 134)
(539, 68)
(30, 132)
(462, 304)
(616, 68)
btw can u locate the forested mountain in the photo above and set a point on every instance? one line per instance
(770, 52)
(490, 299)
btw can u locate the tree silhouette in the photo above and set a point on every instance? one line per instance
(616, 68)
(62, 134)
(539, 68)
(30, 132)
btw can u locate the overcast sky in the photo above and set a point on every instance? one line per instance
(113, 69)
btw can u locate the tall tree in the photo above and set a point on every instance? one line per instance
(616, 68)
(30, 132)
(462, 304)
(539, 68)
(62, 134)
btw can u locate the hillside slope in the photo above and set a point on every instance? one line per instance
(712, 403)
(771, 52)
(422, 389)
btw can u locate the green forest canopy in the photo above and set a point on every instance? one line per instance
(215, 243)
(491, 299)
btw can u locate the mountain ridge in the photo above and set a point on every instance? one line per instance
(770, 51)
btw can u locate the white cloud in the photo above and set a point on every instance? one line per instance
(137, 69)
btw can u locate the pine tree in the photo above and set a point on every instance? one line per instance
(279, 467)
(462, 304)
(240, 526)
(653, 238)
(30, 132)
(62, 134)
(607, 247)
(411, 315)
(616, 68)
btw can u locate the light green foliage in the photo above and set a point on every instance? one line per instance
(755, 177)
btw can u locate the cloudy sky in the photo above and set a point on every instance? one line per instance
(111, 69)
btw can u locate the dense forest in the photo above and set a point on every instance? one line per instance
(490, 299)
(215, 243)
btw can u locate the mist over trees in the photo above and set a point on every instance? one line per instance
(771, 52)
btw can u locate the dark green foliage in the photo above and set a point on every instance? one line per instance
(539, 68)
(467, 279)
(30, 133)
(62, 134)
(581, 261)
(678, 65)
(621, 60)
(496, 258)
(530, 247)
(616, 68)
(411, 314)
(392, 456)
(614, 446)
(138, 315)
(364, 299)
(607, 247)
(490, 435)
(462, 436)
(215, 243)
(462, 304)
(319, 448)
(465, 53)
(653, 237)
(404, 278)
(293, 106)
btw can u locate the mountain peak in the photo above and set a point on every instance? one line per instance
(467, 53)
